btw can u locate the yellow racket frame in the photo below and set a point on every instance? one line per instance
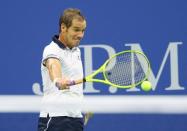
(90, 78)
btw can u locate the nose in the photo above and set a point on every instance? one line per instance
(80, 35)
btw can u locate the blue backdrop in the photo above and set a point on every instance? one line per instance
(157, 27)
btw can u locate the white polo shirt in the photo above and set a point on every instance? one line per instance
(57, 102)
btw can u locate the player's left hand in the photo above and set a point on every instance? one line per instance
(87, 116)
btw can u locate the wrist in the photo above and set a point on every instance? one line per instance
(57, 83)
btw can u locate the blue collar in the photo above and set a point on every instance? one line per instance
(59, 43)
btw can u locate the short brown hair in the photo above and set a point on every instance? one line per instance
(68, 15)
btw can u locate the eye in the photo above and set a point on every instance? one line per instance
(79, 30)
(76, 29)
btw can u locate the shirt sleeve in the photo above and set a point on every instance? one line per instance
(50, 52)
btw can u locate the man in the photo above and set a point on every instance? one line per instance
(61, 64)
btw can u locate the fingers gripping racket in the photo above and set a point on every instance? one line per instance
(125, 69)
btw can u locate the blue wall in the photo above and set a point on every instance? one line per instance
(157, 27)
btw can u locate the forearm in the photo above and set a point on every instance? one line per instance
(55, 73)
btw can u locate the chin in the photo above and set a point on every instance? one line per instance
(76, 44)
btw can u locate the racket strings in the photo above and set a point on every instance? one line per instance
(126, 69)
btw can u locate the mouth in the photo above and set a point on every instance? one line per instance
(77, 40)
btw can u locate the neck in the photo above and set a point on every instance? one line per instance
(61, 38)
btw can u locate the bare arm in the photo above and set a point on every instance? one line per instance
(54, 67)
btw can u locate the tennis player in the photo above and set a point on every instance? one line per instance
(61, 64)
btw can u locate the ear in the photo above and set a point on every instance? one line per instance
(63, 28)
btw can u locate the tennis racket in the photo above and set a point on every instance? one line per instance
(125, 69)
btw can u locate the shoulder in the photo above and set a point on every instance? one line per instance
(51, 46)
(51, 50)
(78, 50)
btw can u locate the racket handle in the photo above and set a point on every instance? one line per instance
(75, 82)
(70, 83)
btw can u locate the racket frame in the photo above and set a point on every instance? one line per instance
(102, 68)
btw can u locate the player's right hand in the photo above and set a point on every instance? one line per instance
(62, 83)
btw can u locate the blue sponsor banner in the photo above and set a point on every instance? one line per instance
(157, 28)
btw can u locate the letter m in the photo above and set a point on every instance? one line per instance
(171, 51)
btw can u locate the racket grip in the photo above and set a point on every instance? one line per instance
(75, 82)
(70, 83)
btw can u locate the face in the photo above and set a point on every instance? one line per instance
(71, 36)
